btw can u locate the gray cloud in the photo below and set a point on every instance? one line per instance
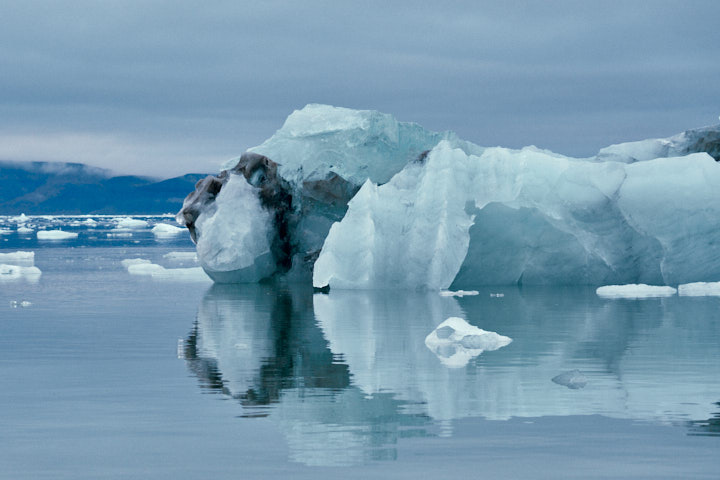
(174, 81)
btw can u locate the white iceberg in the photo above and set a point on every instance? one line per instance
(20, 258)
(635, 291)
(163, 230)
(699, 289)
(130, 223)
(24, 230)
(15, 272)
(456, 342)
(128, 262)
(55, 235)
(359, 200)
(5, 231)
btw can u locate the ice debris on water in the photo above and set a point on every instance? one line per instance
(55, 235)
(497, 295)
(20, 303)
(573, 379)
(635, 291)
(456, 342)
(458, 293)
(181, 256)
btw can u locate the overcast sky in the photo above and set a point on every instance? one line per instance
(168, 87)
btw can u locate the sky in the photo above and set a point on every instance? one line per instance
(163, 88)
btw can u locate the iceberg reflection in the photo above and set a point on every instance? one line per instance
(348, 374)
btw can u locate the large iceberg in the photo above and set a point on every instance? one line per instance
(360, 200)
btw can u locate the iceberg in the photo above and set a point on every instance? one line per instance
(15, 272)
(144, 267)
(573, 380)
(357, 200)
(130, 223)
(699, 289)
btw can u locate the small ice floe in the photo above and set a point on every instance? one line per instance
(573, 379)
(24, 230)
(700, 289)
(55, 235)
(130, 223)
(497, 295)
(459, 293)
(139, 266)
(181, 256)
(21, 259)
(15, 272)
(5, 231)
(635, 290)
(22, 218)
(119, 235)
(164, 230)
(20, 303)
(456, 342)
(90, 223)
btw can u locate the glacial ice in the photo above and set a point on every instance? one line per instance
(144, 267)
(55, 235)
(573, 379)
(459, 293)
(358, 200)
(635, 291)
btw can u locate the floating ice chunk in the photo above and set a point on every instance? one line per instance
(573, 379)
(458, 293)
(131, 223)
(22, 218)
(699, 289)
(163, 230)
(89, 222)
(456, 342)
(119, 234)
(181, 256)
(15, 272)
(635, 291)
(24, 230)
(20, 303)
(497, 295)
(194, 274)
(128, 262)
(5, 231)
(21, 259)
(55, 235)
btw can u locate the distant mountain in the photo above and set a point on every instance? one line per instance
(74, 188)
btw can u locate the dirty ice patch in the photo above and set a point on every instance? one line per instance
(573, 379)
(635, 290)
(455, 342)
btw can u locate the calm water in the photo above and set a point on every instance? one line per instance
(109, 375)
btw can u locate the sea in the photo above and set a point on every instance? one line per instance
(115, 371)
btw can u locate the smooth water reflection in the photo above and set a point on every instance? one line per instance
(347, 375)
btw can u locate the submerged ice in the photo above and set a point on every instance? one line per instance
(359, 200)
